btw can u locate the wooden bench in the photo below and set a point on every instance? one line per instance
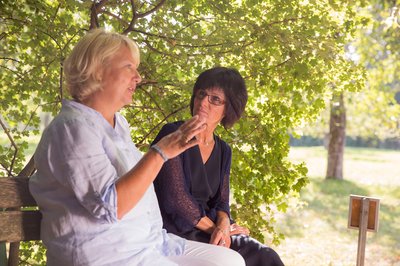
(17, 222)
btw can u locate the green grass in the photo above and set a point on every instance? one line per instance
(317, 233)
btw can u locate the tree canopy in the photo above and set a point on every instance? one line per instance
(373, 113)
(291, 54)
(378, 49)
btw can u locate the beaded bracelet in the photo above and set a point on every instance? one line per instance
(157, 149)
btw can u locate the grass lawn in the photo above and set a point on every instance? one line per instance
(317, 233)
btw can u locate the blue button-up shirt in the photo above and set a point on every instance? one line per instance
(79, 159)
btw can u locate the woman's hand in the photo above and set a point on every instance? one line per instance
(221, 237)
(237, 229)
(184, 138)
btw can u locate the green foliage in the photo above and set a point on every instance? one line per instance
(376, 48)
(32, 253)
(291, 54)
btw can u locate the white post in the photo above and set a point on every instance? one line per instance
(362, 235)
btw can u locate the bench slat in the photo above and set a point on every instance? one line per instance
(14, 193)
(19, 226)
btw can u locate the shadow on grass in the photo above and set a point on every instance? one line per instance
(335, 207)
(328, 200)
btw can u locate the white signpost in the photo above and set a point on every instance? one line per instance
(363, 215)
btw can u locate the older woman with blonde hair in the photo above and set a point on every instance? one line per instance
(93, 186)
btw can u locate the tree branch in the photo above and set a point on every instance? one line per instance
(154, 100)
(15, 72)
(94, 23)
(11, 59)
(7, 131)
(116, 17)
(158, 6)
(136, 16)
(280, 64)
(61, 79)
(161, 122)
(94, 11)
(3, 35)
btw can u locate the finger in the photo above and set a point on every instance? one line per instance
(245, 230)
(238, 231)
(216, 240)
(234, 232)
(191, 143)
(188, 137)
(191, 134)
(193, 124)
(189, 123)
(216, 237)
(241, 229)
(222, 242)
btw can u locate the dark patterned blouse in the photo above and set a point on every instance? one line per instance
(188, 190)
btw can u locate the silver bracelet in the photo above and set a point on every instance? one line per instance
(157, 149)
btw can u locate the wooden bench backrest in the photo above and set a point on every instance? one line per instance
(16, 222)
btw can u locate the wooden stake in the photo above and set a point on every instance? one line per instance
(362, 234)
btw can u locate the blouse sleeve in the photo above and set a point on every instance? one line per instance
(76, 158)
(173, 190)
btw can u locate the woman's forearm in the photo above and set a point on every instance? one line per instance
(223, 221)
(132, 186)
(206, 225)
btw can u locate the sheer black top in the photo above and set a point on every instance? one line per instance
(188, 189)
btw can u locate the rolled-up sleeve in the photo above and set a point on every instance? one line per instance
(79, 162)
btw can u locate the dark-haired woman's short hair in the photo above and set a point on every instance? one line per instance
(232, 84)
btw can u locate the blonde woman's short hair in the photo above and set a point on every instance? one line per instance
(84, 65)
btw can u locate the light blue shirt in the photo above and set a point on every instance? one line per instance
(79, 159)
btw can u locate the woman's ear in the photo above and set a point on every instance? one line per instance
(99, 75)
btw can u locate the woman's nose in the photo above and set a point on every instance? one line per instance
(204, 101)
(137, 77)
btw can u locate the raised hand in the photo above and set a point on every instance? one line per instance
(184, 138)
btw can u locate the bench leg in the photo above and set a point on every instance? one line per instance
(13, 259)
(3, 253)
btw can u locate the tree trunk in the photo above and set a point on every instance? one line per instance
(337, 137)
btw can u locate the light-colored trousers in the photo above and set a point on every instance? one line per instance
(201, 254)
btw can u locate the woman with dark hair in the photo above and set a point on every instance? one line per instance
(193, 187)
